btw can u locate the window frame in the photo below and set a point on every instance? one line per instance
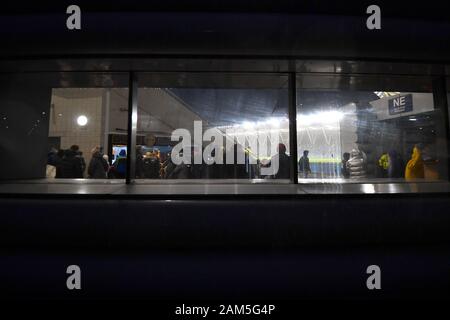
(440, 75)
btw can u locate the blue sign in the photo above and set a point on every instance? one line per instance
(400, 104)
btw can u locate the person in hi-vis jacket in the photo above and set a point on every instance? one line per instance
(414, 167)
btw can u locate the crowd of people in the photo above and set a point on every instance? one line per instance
(70, 164)
(389, 165)
(156, 166)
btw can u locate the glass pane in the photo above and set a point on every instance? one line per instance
(212, 126)
(62, 125)
(356, 129)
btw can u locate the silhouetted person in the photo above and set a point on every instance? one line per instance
(120, 165)
(180, 171)
(57, 160)
(303, 164)
(151, 166)
(139, 173)
(168, 166)
(80, 158)
(344, 169)
(71, 166)
(395, 165)
(98, 166)
(284, 167)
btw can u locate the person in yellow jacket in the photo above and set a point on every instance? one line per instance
(383, 164)
(384, 161)
(414, 168)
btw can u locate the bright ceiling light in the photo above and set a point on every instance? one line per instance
(82, 120)
(248, 125)
(332, 116)
(274, 122)
(324, 117)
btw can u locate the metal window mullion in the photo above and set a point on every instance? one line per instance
(292, 100)
(440, 101)
(132, 127)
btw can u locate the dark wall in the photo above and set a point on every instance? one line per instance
(278, 222)
(224, 34)
(304, 247)
(24, 123)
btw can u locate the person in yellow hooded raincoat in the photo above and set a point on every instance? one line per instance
(415, 168)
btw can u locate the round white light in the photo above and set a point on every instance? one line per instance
(82, 121)
(248, 125)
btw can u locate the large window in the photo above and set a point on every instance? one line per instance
(212, 126)
(216, 127)
(357, 129)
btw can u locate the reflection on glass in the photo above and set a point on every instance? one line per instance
(369, 135)
(63, 125)
(193, 126)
